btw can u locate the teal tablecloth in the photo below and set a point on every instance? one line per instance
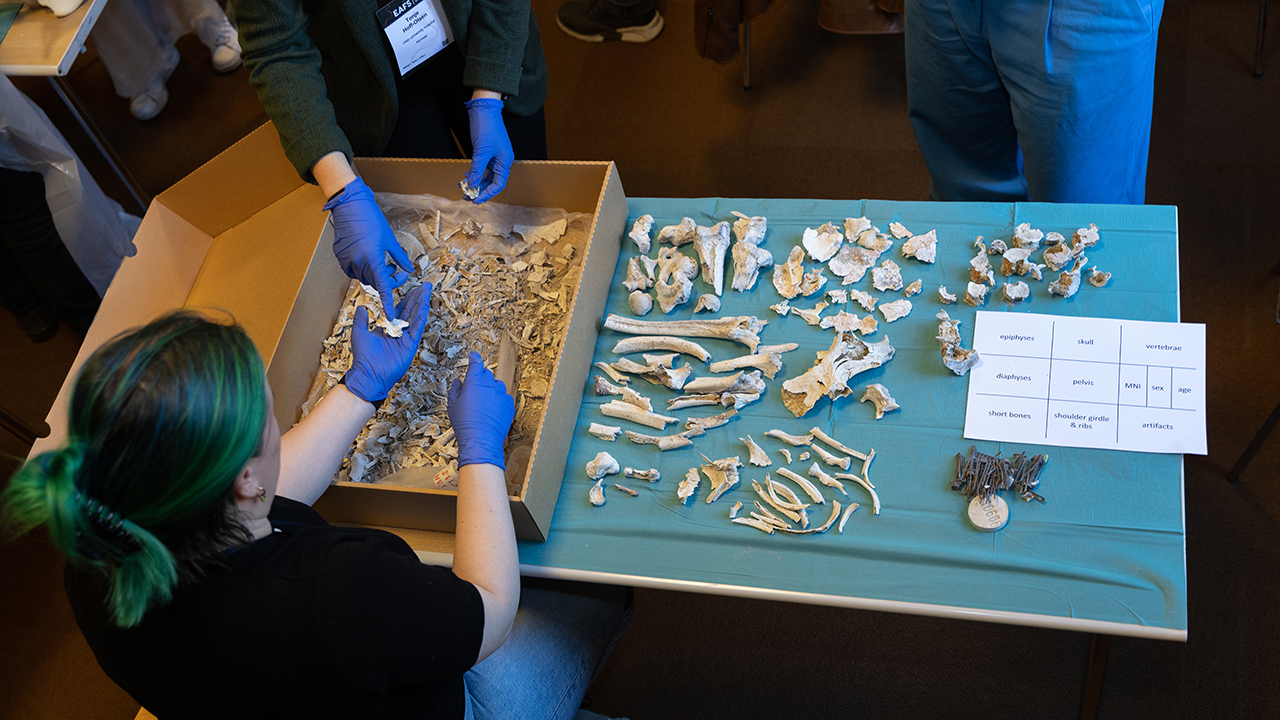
(1107, 546)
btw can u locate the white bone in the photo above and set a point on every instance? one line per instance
(640, 233)
(640, 302)
(733, 511)
(782, 348)
(604, 432)
(646, 343)
(769, 364)
(601, 465)
(759, 457)
(704, 424)
(597, 493)
(688, 485)
(712, 244)
(826, 479)
(809, 488)
(830, 459)
(753, 523)
(845, 517)
(790, 439)
(652, 474)
(875, 499)
(627, 411)
(678, 235)
(743, 328)
(879, 394)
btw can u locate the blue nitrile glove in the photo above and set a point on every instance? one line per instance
(361, 240)
(379, 361)
(480, 411)
(490, 147)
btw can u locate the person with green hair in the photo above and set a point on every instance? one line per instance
(206, 586)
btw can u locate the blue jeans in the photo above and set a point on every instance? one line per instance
(1047, 101)
(557, 645)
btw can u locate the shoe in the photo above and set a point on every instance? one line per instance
(149, 104)
(600, 20)
(40, 324)
(225, 52)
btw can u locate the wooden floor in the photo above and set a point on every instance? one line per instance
(826, 118)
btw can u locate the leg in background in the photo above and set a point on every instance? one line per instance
(958, 107)
(557, 645)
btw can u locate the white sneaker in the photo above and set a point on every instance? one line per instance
(149, 104)
(225, 52)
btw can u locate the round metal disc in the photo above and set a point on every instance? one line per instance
(988, 514)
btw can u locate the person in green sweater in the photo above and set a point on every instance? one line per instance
(404, 78)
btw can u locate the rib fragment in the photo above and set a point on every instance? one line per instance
(790, 439)
(648, 343)
(804, 484)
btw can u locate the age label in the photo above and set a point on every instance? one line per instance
(1088, 382)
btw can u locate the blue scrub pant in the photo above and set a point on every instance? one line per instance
(1037, 100)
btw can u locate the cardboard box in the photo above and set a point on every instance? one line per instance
(245, 234)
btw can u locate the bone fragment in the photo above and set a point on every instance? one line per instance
(848, 322)
(647, 343)
(733, 511)
(711, 245)
(707, 303)
(737, 383)
(650, 265)
(809, 488)
(914, 288)
(826, 479)
(769, 364)
(688, 485)
(818, 433)
(722, 473)
(626, 489)
(796, 440)
(788, 276)
(604, 387)
(785, 453)
(604, 432)
(812, 316)
(831, 459)
(636, 279)
(782, 348)
(758, 457)
(946, 297)
(812, 281)
(887, 277)
(866, 466)
(845, 517)
(975, 294)
(804, 456)
(675, 278)
(1057, 256)
(601, 465)
(656, 373)
(922, 247)
(1098, 278)
(640, 302)
(597, 493)
(1014, 292)
(767, 517)
(743, 328)
(1069, 282)
(678, 235)
(703, 424)
(956, 358)
(835, 513)
(748, 261)
(879, 394)
(664, 442)
(865, 299)
(822, 243)
(875, 499)
(894, 310)
(640, 233)
(772, 499)
(852, 263)
(899, 230)
(752, 522)
(783, 308)
(829, 376)
(1025, 236)
(652, 474)
(627, 411)
(616, 376)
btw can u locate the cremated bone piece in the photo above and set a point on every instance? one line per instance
(786, 454)
(759, 457)
(813, 315)
(636, 279)
(752, 522)
(788, 276)
(957, 359)
(664, 442)
(804, 456)
(601, 465)
(914, 288)
(825, 479)
(853, 227)
(782, 348)
(895, 310)
(874, 240)
(707, 303)
(1014, 292)
(845, 517)
(626, 489)
(641, 303)
(921, 247)
(812, 281)
(1084, 239)
(597, 493)
(797, 440)
(887, 277)
(848, 322)
(829, 376)
(703, 424)
(997, 247)
(782, 307)
(743, 328)
(899, 230)
(769, 364)
(879, 395)
(875, 499)
(852, 263)
(946, 297)
(1014, 261)
(830, 459)
(822, 243)
(749, 229)
(733, 511)
(809, 488)
(1057, 256)
(1098, 278)
(722, 473)
(688, 485)
(838, 297)
(647, 343)
(678, 235)
(865, 299)
(1068, 282)
(1025, 236)
(712, 244)
(604, 432)
(640, 233)
(975, 294)
(627, 411)
(652, 474)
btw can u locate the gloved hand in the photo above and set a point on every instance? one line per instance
(490, 147)
(379, 361)
(362, 239)
(481, 412)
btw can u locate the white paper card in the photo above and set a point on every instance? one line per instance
(1088, 382)
(416, 29)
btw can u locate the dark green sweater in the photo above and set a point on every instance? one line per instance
(325, 78)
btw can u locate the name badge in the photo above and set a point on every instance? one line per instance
(417, 30)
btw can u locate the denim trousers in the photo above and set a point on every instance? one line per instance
(557, 645)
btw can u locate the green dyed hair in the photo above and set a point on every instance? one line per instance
(162, 420)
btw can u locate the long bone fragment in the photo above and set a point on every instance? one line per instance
(758, 457)
(627, 411)
(626, 489)
(614, 375)
(647, 343)
(831, 459)
(780, 348)
(604, 387)
(703, 424)
(604, 432)
(875, 499)
(796, 440)
(636, 279)
(664, 442)
(817, 432)
(768, 364)
(657, 373)
(773, 501)
(752, 522)
(750, 382)
(785, 452)
(809, 488)
(835, 513)
(744, 329)
(652, 474)
(845, 517)
(768, 517)
(826, 479)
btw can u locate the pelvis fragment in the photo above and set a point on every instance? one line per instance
(847, 357)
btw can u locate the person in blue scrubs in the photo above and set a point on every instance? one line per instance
(1042, 101)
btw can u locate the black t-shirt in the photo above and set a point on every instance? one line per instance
(311, 621)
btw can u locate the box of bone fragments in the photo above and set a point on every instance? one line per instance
(528, 275)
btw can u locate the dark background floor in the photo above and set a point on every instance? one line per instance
(826, 119)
